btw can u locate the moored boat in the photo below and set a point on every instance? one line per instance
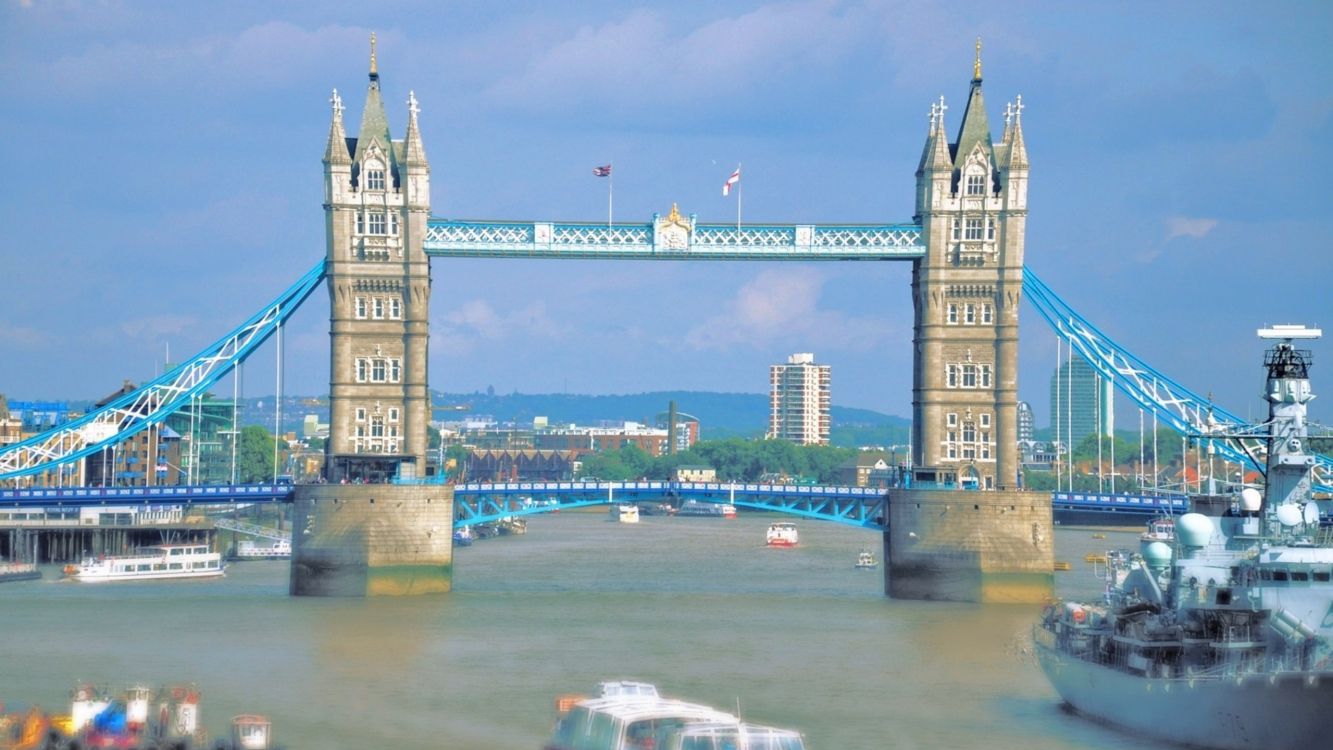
(278, 549)
(625, 512)
(782, 534)
(710, 510)
(162, 561)
(1218, 631)
(18, 571)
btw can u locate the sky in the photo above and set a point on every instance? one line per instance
(164, 181)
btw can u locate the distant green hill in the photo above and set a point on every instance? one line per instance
(721, 415)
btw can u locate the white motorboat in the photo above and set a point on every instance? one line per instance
(625, 512)
(633, 716)
(865, 559)
(162, 561)
(279, 549)
(782, 534)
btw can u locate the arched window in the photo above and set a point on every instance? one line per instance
(976, 182)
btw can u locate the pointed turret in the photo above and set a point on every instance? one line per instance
(336, 151)
(374, 123)
(940, 159)
(975, 129)
(413, 153)
(415, 166)
(1018, 151)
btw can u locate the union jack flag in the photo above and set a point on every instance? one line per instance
(602, 171)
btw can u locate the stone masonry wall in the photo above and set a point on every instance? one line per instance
(969, 546)
(372, 539)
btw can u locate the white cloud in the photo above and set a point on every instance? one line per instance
(266, 54)
(16, 335)
(640, 59)
(476, 322)
(1186, 226)
(783, 306)
(154, 327)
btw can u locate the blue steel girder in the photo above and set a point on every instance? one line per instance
(1181, 409)
(663, 239)
(154, 401)
(488, 502)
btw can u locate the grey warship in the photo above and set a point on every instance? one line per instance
(1223, 636)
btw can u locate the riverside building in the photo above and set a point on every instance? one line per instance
(799, 401)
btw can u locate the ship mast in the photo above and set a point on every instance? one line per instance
(1287, 390)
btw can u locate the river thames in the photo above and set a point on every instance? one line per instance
(799, 637)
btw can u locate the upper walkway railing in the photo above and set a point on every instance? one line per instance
(673, 238)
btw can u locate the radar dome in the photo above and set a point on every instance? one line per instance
(1194, 530)
(1251, 499)
(1157, 555)
(1289, 514)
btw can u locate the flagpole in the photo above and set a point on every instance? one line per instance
(610, 192)
(740, 193)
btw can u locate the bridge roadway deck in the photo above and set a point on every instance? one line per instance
(481, 502)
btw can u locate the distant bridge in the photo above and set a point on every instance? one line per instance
(484, 502)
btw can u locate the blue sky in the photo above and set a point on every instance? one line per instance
(164, 180)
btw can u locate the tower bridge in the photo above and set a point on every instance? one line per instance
(966, 244)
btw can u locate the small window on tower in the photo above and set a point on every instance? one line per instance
(990, 228)
(987, 314)
(957, 229)
(361, 308)
(379, 308)
(374, 179)
(970, 314)
(393, 224)
(395, 308)
(976, 184)
(953, 314)
(974, 229)
(376, 223)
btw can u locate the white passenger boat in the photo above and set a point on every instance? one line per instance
(782, 534)
(280, 549)
(625, 512)
(640, 719)
(162, 561)
(712, 510)
(865, 559)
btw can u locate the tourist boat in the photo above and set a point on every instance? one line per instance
(656, 509)
(18, 571)
(866, 559)
(633, 716)
(279, 549)
(711, 510)
(1218, 635)
(162, 561)
(782, 534)
(625, 512)
(512, 526)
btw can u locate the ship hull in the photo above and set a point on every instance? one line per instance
(1280, 711)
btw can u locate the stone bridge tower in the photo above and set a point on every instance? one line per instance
(971, 202)
(376, 203)
(378, 526)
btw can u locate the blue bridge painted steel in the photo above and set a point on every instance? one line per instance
(486, 502)
(1106, 502)
(674, 237)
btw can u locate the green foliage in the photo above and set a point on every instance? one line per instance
(432, 437)
(254, 455)
(733, 459)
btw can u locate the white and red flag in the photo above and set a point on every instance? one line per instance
(602, 171)
(732, 180)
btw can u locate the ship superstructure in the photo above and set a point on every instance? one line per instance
(1223, 636)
